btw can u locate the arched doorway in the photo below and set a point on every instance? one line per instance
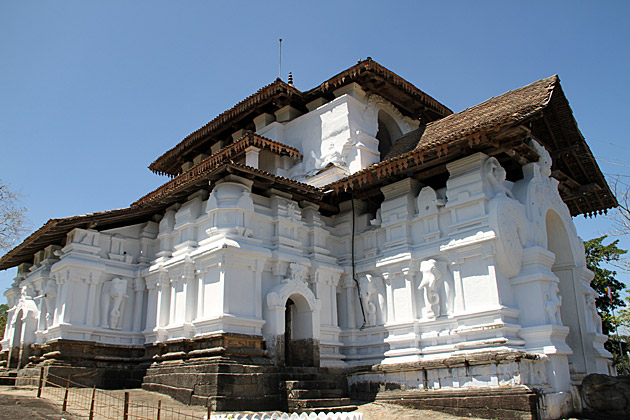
(565, 268)
(288, 326)
(300, 346)
(14, 351)
(291, 329)
(387, 134)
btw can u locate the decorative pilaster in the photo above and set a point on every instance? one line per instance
(349, 287)
(139, 286)
(93, 282)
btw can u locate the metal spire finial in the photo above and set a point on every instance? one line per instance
(280, 61)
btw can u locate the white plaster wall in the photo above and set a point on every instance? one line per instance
(341, 133)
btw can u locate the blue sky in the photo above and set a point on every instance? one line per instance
(91, 92)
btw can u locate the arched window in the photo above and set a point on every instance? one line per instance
(387, 134)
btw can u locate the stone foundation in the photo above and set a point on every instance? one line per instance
(16, 357)
(223, 371)
(501, 384)
(107, 366)
(303, 352)
(219, 383)
(239, 346)
(509, 403)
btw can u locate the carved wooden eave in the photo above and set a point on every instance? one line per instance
(268, 98)
(374, 78)
(215, 164)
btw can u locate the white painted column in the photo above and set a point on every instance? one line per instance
(93, 284)
(190, 285)
(63, 303)
(172, 319)
(164, 300)
(411, 290)
(153, 305)
(139, 287)
(226, 284)
(390, 297)
(251, 156)
(201, 275)
(257, 268)
(332, 283)
(350, 294)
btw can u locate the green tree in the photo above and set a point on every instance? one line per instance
(3, 318)
(598, 258)
(12, 217)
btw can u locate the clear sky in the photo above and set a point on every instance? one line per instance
(91, 92)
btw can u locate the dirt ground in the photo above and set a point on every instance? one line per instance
(22, 404)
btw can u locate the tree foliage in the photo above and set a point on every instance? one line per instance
(3, 318)
(12, 217)
(621, 215)
(598, 256)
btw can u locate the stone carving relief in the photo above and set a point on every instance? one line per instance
(507, 218)
(428, 210)
(293, 283)
(438, 289)
(593, 321)
(496, 177)
(553, 301)
(113, 302)
(539, 192)
(372, 294)
(297, 272)
(428, 202)
(377, 221)
(293, 213)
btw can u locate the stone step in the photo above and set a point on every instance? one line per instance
(7, 380)
(315, 393)
(8, 372)
(300, 377)
(290, 385)
(328, 403)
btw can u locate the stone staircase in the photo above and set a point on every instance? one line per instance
(315, 390)
(7, 377)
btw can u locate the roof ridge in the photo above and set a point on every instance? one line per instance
(218, 119)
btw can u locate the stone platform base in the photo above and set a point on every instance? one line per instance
(222, 371)
(510, 403)
(104, 377)
(88, 363)
(499, 384)
(219, 383)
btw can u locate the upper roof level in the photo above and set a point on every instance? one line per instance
(281, 102)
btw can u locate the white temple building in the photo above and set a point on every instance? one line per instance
(358, 229)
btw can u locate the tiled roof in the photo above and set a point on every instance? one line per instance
(542, 103)
(161, 165)
(510, 108)
(214, 162)
(368, 68)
